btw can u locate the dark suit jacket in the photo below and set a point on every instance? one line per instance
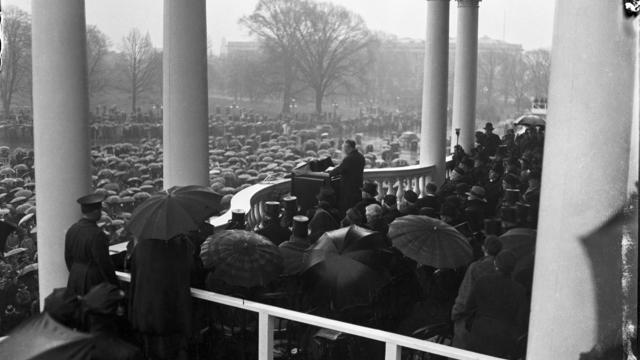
(351, 170)
(86, 253)
(274, 232)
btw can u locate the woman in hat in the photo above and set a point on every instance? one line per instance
(86, 250)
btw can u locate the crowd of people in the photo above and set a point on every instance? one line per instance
(491, 191)
(247, 150)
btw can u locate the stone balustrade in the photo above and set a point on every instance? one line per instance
(393, 181)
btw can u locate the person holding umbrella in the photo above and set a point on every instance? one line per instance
(86, 250)
(161, 266)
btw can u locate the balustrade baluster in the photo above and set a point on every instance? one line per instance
(380, 192)
(422, 184)
(400, 191)
(390, 187)
(265, 335)
(392, 351)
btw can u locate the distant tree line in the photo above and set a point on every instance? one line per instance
(131, 72)
(310, 52)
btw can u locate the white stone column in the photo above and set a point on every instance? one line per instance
(465, 75)
(185, 126)
(61, 132)
(584, 180)
(434, 90)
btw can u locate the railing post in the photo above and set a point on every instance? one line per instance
(265, 336)
(392, 351)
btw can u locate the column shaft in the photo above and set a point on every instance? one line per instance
(61, 133)
(576, 290)
(185, 132)
(434, 91)
(465, 75)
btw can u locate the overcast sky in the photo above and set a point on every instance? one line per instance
(526, 22)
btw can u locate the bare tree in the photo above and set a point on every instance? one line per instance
(330, 41)
(142, 63)
(97, 48)
(15, 71)
(274, 23)
(538, 68)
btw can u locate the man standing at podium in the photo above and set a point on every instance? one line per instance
(351, 171)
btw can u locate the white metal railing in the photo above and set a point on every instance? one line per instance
(267, 315)
(390, 181)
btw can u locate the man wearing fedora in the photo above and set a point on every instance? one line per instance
(491, 140)
(369, 193)
(475, 207)
(86, 250)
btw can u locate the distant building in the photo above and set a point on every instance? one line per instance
(234, 48)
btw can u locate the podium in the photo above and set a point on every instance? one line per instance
(306, 184)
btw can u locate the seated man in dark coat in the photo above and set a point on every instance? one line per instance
(351, 171)
(86, 250)
(369, 193)
(270, 226)
(410, 204)
(429, 199)
(390, 208)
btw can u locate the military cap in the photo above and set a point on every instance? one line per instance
(91, 199)
(91, 202)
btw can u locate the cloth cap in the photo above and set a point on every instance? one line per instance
(488, 126)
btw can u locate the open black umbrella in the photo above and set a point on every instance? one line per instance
(173, 212)
(430, 241)
(242, 258)
(346, 266)
(42, 338)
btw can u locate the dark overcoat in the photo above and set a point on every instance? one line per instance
(499, 310)
(274, 232)
(160, 299)
(86, 253)
(351, 170)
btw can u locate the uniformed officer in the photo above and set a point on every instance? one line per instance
(86, 249)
